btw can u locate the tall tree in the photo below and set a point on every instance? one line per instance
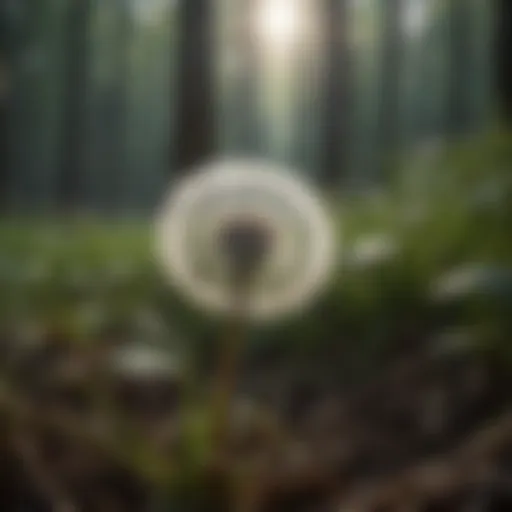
(307, 83)
(305, 119)
(115, 104)
(247, 79)
(195, 136)
(391, 59)
(21, 24)
(74, 157)
(5, 79)
(460, 67)
(336, 103)
(503, 16)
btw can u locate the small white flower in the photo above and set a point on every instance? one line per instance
(373, 249)
(490, 195)
(142, 360)
(456, 340)
(300, 255)
(470, 280)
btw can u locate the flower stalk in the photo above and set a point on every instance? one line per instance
(245, 244)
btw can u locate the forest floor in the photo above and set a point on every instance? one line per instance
(427, 433)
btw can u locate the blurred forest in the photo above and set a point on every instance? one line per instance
(392, 393)
(100, 98)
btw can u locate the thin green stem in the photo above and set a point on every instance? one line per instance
(225, 385)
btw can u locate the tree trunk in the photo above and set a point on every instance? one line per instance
(5, 78)
(336, 111)
(460, 67)
(504, 51)
(247, 86)
(388, 115)
(195, 117)
(74, 157)
(13, 35)
(4, 146)
(116, 108)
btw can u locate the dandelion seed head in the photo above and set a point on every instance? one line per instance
(271, 204)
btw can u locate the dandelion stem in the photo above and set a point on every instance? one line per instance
(228, 367)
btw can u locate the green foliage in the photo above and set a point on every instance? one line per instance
(444, 222)
(83, 277)
(432, 253)
(427, 261)
(131, 69)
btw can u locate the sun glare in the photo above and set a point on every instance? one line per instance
(278, 23)
(415, 17)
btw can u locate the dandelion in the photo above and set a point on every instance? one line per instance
(246, 216)
(247, 240)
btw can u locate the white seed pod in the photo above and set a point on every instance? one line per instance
(297, 262)
(140, 360)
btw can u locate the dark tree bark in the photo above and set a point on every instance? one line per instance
(10, 43)
(460, 67)
(247, 86)
(4, 151)
(73, 164)
(116, 107)
(503, 16)
(304, 122)
(195, 137)
(388, 115)
(5, 70)
(336, 108)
